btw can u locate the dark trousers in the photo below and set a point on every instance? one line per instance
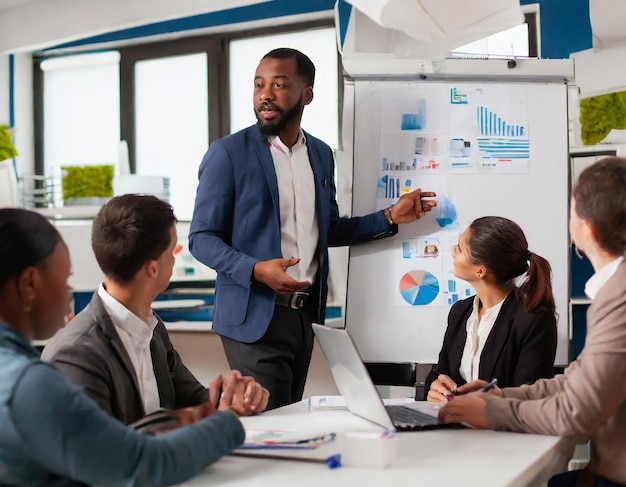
(279, 361)
(581, 478)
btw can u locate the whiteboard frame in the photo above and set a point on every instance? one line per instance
(387, 333)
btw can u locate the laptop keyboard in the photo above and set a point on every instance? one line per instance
(402, 415)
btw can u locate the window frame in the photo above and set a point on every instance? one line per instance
(530, 18)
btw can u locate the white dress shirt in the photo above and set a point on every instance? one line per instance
(135, 334)
(298, 220)
(477, 334)
(598, 280)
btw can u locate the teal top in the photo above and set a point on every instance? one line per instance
(52, 434)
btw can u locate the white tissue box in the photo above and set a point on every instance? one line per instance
(361, 449)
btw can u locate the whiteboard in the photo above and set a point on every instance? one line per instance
(536, 197)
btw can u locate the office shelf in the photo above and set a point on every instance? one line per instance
(580, 268)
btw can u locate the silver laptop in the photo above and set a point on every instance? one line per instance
(360, 393)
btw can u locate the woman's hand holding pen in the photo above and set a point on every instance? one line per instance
(468, 409)
(477, 384)
(441, 389)
(471, 408)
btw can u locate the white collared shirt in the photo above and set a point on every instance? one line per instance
(135, 334)
(595, 282)
(477, 334)
(298, 221)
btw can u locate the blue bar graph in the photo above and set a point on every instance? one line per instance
(490, 124)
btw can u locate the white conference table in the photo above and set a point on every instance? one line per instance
(465, 457)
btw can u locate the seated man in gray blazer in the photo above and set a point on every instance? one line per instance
(117, 348)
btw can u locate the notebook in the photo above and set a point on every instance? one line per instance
(360, 393)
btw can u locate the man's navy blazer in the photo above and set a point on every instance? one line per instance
(236, 222)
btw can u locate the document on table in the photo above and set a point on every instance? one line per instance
(285, 439)
(327, 402)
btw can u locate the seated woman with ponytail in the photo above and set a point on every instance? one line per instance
(504, 331)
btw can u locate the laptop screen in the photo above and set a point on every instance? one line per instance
(351, 376)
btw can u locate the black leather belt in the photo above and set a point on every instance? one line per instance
(296, 300)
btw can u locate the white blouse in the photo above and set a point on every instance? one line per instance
(477, 334)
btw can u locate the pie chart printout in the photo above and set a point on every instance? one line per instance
(419, 287)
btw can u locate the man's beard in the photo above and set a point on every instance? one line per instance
(276, 128)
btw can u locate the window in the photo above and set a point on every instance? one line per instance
(509, 42)
(81, 114)
(521, 40)
(172, 123)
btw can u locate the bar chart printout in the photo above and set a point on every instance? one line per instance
(500, 140)
(491, 124)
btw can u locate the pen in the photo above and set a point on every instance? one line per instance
(453, 393)
(489, 386)
(333, 461)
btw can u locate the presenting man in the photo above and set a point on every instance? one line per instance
(117, 348)
(265, 215)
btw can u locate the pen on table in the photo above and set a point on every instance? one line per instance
(489, 386)
(333, 461)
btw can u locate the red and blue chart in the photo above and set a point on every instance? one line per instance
(419, 287)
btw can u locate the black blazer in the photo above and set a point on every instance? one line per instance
(91, 354)
(519, 349)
